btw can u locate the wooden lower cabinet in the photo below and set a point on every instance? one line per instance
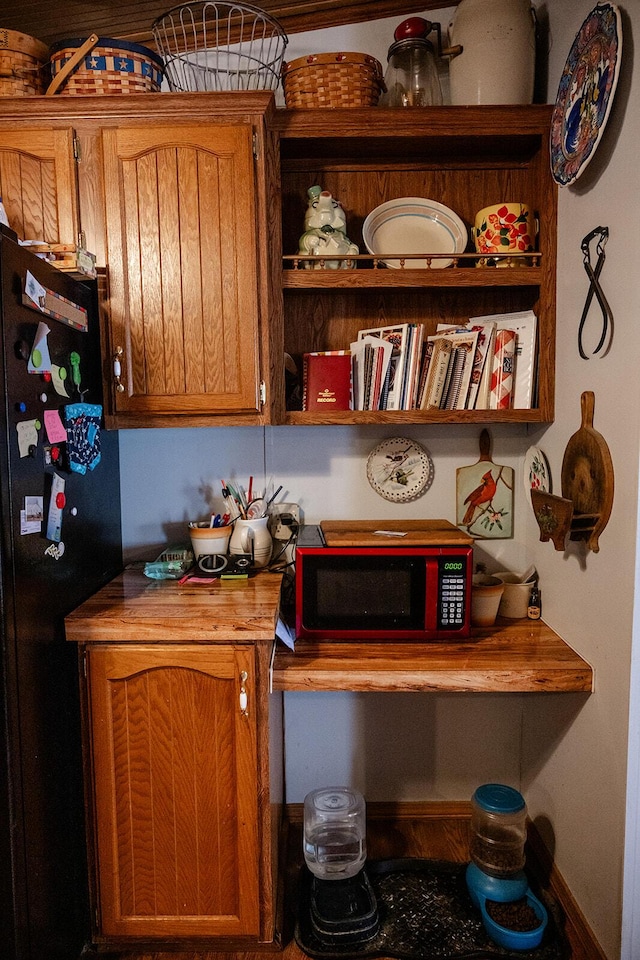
(178, 742)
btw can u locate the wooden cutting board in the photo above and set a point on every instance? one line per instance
(587, 478)
(484, 496)
(402, 533)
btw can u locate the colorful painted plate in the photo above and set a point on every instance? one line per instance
(537, 475)
(413, 225)
(585, 93)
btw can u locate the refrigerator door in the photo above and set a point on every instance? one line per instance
(60, 541)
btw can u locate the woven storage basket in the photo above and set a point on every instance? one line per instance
(113, 66)
(332, 80)
(22, 64)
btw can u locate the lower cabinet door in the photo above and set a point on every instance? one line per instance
(174, 779)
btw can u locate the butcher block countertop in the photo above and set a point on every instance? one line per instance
(515, 656)
(133, 609)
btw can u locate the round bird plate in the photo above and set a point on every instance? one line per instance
(399, 469)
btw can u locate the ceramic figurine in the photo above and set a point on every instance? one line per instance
(325, 233)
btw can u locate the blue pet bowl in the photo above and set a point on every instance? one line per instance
(483, 887)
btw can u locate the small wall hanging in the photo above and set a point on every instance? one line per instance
(583, 510)
(484, 496)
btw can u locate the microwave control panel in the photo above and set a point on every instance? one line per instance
(452, 599)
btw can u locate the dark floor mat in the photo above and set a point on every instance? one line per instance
(426, 913)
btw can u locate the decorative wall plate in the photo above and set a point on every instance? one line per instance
(537, 475)
(399, 469)
(585, 93)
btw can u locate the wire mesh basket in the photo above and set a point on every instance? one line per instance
(220, 46)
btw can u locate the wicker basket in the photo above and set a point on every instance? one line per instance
(22, 64)
(112, 66)
(332, 80)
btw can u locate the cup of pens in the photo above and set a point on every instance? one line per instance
(208, 539)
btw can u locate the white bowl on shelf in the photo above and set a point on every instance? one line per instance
(414, 225)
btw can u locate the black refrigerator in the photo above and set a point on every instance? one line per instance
(60, 542)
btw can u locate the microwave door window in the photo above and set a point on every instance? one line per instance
(365, 593)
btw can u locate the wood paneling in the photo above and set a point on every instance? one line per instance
(132, 19)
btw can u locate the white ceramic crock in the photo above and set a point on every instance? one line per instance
(497, 63)
(252, 537)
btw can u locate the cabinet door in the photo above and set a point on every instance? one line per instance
(38, 183)
(181, 237)
(175, 789)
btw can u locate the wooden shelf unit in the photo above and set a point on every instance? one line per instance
(464, 157)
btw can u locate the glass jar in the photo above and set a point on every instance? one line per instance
(498, 830)
(411, 77)
(334, 832)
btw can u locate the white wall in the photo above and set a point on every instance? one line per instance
(578, 787)
(567, 752)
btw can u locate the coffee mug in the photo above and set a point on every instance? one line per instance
(504, 228)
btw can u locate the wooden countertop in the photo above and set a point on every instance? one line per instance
(132, 608)
(516, 656)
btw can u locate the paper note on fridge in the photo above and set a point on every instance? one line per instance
(39, 360)
(56, 431)
(27, 436)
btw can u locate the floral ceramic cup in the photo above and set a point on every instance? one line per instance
(504, 228)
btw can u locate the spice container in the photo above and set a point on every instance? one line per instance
(498, 830)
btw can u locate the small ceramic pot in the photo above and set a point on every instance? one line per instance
(208, 540)
(514, 602)
(486, 593)
(504, 228)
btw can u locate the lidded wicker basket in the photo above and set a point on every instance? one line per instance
(22, 64)
(333, 80)
(111, 66)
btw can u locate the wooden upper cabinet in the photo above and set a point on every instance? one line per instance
(175, 764)
(182, 267)
(38, 183)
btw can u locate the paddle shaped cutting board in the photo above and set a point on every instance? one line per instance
(587, 478)
(484, 496)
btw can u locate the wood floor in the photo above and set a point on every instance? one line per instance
(437, 831)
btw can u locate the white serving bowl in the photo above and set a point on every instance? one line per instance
(413, 225)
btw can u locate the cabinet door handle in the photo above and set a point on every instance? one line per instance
(117, 369)
(244, 697)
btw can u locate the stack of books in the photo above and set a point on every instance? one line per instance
(487, 363)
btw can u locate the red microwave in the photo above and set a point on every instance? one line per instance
(386, 591)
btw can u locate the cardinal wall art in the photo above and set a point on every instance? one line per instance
(484, 496)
